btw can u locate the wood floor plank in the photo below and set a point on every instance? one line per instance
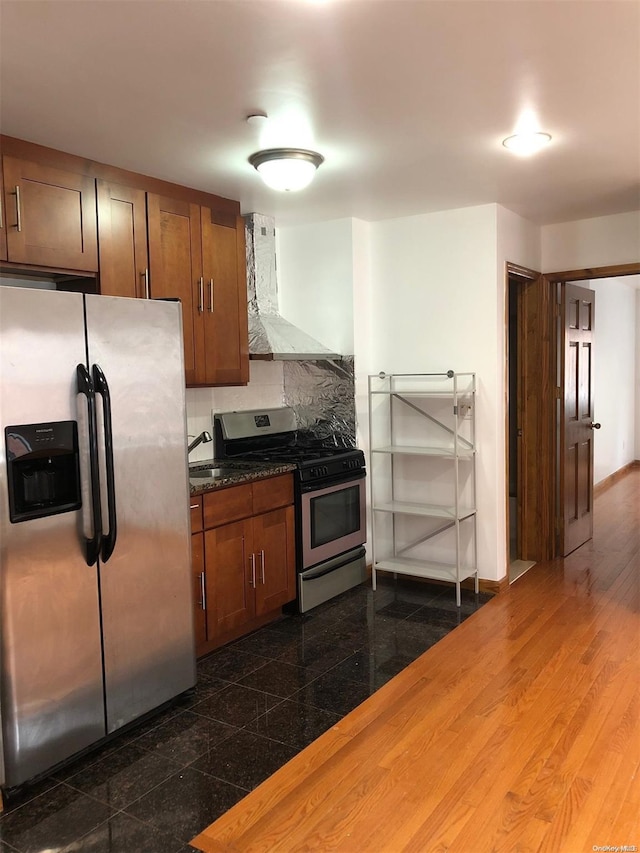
(519, 731)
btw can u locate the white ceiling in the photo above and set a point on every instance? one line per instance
(408, 100)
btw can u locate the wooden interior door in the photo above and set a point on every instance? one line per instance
(577, 428)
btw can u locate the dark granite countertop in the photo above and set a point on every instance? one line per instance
(230, 473)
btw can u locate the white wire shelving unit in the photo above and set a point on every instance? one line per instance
(423, 475)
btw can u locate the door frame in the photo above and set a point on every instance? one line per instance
(535, 402)
(558, 280)
(540, 338)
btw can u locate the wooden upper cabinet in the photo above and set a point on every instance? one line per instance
(226, 354)
(144, 237)
(175, 268)
(49, 216)
(122, 240)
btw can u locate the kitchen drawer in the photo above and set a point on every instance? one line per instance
(272, 493)
(196, 513)
(225, 505)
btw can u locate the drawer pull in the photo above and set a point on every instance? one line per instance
(18, 210)
(195, 506)
(203, 592)
(201, 296)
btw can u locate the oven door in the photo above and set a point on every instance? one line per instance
(332, 519)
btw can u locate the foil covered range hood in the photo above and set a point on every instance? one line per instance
(272, 337)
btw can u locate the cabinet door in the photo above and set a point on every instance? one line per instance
(3, 221)
(122, 231)
(226, 339)
(50, 216)
(199, 590)
(273, 539)
(230, 577)
(175, 269)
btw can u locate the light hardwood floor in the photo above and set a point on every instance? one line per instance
(519, 731)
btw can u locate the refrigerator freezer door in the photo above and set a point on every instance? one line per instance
(146, 582)
(51, 690)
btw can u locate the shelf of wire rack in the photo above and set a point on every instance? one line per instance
(423, 475)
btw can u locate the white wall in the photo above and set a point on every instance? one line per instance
(599, 242)
(433, 290)
(265, 390)
(519, 241)
(614, 375)
(428, 295)
(315, 281)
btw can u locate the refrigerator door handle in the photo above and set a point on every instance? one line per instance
(92, 545)
(108, 539)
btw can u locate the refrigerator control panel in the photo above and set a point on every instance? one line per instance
(43, 469)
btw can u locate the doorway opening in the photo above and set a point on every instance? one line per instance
(534, 401)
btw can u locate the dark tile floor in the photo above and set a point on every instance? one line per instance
(257, 703)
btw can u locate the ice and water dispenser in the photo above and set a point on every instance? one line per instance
(43, 469)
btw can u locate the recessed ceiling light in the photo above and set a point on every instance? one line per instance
(286, 169)
(527, 143)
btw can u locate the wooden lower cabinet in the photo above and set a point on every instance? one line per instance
(199, 589)
(273, 546)
(230, 592)
(197, 573)
(248, 564)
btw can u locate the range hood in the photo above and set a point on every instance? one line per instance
(272, 337)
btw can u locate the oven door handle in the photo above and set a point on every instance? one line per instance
(337, 480)
(311, 575)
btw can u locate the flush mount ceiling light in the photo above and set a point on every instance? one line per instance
(286, 169)
(527, 143)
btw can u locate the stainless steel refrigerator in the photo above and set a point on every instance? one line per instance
(95, 582)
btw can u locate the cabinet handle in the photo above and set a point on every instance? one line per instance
(18, 211)
(194, 506)
(211, 296)
(252, 582)
(203, 592)
(145, 277)
(262, 565)
(1, 222)
(201, 296)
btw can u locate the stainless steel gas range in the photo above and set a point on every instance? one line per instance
(330, 496)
